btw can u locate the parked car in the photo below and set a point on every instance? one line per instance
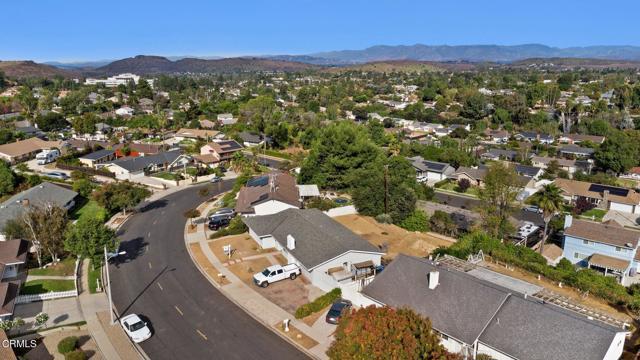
(218, 223)
(224, 212)
(276, 273)
(57, 175)
(533, 208)
(338, 309)
(215, 179)
(135, 328)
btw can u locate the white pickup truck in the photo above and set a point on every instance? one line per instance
(276, 273)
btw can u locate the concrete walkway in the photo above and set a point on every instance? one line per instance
(255, 304)
(49, 277)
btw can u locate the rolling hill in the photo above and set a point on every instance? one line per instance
(144, 65)
(29, 69)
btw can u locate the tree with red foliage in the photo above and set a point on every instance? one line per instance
(386, 333)
(582, 205)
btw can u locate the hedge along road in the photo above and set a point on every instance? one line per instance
(189, 317)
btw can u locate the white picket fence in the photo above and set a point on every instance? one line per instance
(22, 299)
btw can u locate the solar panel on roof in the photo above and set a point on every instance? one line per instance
(259, 181)
(612, 190)
(434, 166)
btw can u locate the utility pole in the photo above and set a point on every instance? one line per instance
(108, 283)
(386, 189)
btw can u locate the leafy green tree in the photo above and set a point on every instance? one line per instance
(500, 191)
(416, 221)
(474, 107)
(376, 132)
(85, 124)
(549, 199)
(442, 223)
(386, 333)
(84, 187)
(51, 121)
(120, 196)
(618, 153)
(143, 89)
(88, 237)
(7, 179)
(340, 149)
(45, 226)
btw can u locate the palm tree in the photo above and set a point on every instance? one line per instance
(550, 201)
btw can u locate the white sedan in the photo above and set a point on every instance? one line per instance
(137, 329)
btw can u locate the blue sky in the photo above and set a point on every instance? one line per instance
(70, 30)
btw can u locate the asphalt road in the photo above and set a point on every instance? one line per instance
(190, 318)
(471, 204)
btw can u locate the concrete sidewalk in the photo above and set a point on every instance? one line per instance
(255, 304)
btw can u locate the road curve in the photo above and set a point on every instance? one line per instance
(190, 318)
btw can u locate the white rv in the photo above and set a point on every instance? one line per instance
(47, 156)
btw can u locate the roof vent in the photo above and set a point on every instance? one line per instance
(433, 277)
(291, 242)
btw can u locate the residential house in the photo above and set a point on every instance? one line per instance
(221, 150)
(633, 173)
(96, 158)
(42, 194)
(497, 136)
(546, 139)
(474, 316)
(9, 291)
(431, 170)
(475, 176)
(13, 255)
(578, 138)
(527, 136)
(500, 154)
(207, 124)
(226, 119)
(268, 194)
(543, 162)
(252, 139)
(576, 151)
(605, 247)
(135, 167)
(22, 150)
(533, 172)
(193, 134)
(125, 111)
(137, 149)
(328, 253)
(81, 144)
(604, 197)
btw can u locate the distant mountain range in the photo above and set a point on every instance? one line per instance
(475, 53)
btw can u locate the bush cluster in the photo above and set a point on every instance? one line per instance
(318, 304)
(67, 344)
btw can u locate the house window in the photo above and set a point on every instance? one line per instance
(345, 265)
(444, 337)
(618, 249)
(578, 255)
(585, 242)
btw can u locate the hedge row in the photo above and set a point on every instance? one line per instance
(319, 303)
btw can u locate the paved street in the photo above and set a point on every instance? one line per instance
(189, 317)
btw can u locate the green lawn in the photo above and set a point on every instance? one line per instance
(449, 185)
(166, 175)
(45, 286)
(90, 209)
(598, 214)
(65, 267)
(275, 153)
(94, 274)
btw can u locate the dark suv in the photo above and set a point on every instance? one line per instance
(217, 223)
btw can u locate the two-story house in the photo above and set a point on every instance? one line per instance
(606, 247)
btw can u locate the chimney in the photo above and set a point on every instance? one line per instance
(434, 277)
(568, 220)
(605, 198)
(291, 242)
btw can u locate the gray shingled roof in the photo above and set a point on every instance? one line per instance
(426, 165)
(45, 193)
(530, 330)
(142, 162)
(319, 238)
(467, 308)
(526, 170)
(96, 155)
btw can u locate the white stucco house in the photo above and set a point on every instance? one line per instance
(328, 253)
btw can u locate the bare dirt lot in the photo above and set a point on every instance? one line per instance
(397, 239)
(242, 246)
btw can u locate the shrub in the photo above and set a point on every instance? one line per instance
(75, 355)
(236, 226)
(318, 304)
(67, 344)
(384, 219)
(417, 221)
(321, 204)
(464, 185)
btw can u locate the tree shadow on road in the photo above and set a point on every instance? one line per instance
(134, 248)
(158, 204)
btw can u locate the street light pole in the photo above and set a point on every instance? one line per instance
(108, 284)
(106, 265)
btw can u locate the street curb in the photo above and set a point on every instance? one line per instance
(223, 292)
